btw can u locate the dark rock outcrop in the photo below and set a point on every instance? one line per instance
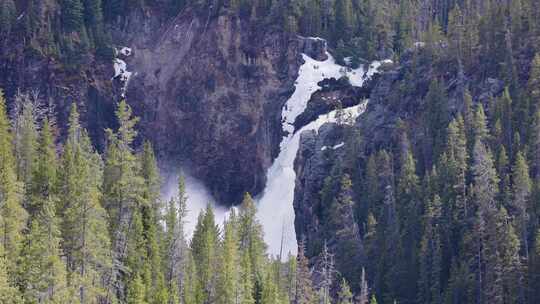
(212, 92)
(314, 160)
(334, 93)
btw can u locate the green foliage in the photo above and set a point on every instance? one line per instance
(72, 15)
(204, 249)
(251, 237)
(26, 138)
(43, 273)
(437, 117)
(8, 293)
(345, 295)
(136, 292)
(44, 176)
(64, 249)
(86, 242)
(12, 215)
(7, 17)
(304, 293)
(228, 279)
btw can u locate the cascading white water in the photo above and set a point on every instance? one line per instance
(275, 204)
(120, 69)
(276, 211)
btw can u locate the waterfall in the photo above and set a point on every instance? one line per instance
(275, 204)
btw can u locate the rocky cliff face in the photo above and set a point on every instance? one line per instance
(395, 95)
(209, 90)
(212, 91)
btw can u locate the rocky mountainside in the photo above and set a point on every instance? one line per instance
(414, 178)
(209, 91)
(395, 120)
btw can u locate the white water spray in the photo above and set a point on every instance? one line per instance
(198, 197)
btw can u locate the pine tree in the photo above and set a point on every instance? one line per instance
(350, 251)
(192, 293)
(305, 294)
(150, 173)
(72, 15)
(270, 293)
(534, 271)
(12, 214)
(493, 288)
(93, 17)
(345, 295)
(290, 280)
(310, 19)
(481, 245)
(204, 249)
(136, 292)
(44, 175)
(7, 17)
(136, 255)
(533, 84)
(436, 119)
(454, 165)
(521, 191)
(43, 273)
(409, 210)
(247, 279)
(456, 32)
(251, 238)
(480, 125)
(123, 190)
(484, 177)
(373, 191)
(86, 242)
(468, 118)
(433, 38)
(174, 243)
(150, 211)
(33, 19)
(511, 266)
(26, 139)
(228, 274)
(430, 290)
(8, 293)
(458, 284)
(388, 234)
(402, 37)
(534, 145)
(344, 19)
(471, 38)
(504, 105)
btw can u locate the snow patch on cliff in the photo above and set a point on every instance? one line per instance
(120, 68)
(310, 74)
(324, 148)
